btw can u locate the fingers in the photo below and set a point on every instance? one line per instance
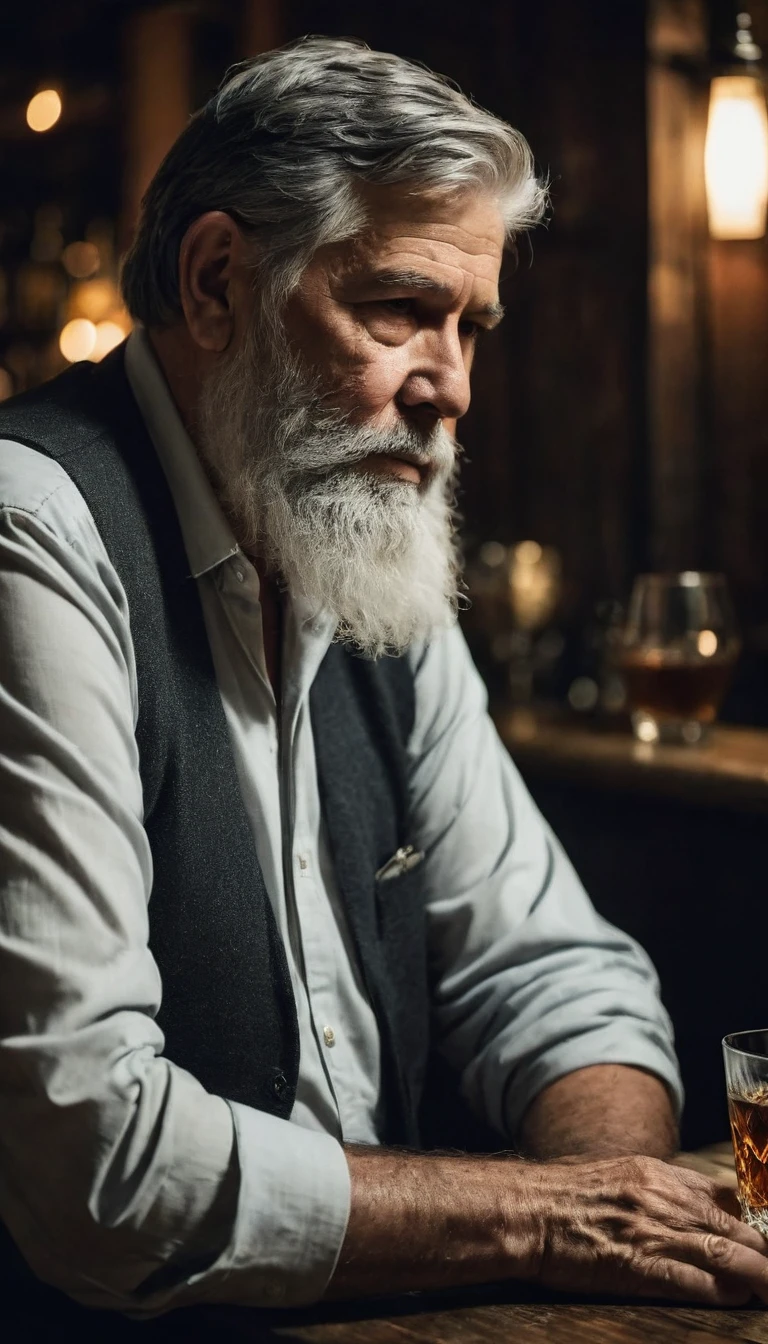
(733, 1264)
(704, 1248)
(735, 1230)
(687, 1283)
(721, 1212)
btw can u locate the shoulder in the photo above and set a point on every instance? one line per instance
(448, 688)
(443, 664)
(37, 486)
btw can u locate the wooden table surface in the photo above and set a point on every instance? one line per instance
(729, 769)
(490, 1315)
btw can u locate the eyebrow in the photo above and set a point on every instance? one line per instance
(407, 279)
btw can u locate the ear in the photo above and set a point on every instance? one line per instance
(213, 280)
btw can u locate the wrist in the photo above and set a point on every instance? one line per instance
(529, 1208)
(425, 1222)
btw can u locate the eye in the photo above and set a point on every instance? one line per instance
(403, 307)
(471, 329)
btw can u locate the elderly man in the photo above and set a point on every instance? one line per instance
(260, 844)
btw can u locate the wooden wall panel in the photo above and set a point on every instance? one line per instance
(707, 352)
(678, 431)
(621, 412)
(158, 97)
(555, 437)
(261, 26)
(738, 293)
(738, 406)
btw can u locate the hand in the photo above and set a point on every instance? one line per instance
(637, 1226)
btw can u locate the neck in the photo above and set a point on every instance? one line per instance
(184, 367)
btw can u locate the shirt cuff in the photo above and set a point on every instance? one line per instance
(292, 1215)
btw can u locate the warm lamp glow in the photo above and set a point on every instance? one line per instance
(44, 110)
(528, 553)
(78, 339)
(93, 299)
(736, 158)
(707, 643)
(81, 259)
(534, 583)
(108, 335)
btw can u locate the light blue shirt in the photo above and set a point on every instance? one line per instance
(123, 1181)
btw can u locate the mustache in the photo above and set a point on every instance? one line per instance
(311, 434)
(435, 451)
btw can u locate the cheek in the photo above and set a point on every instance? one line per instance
(368, 385)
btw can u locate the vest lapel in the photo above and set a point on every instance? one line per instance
(362, 713)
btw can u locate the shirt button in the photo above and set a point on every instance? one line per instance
(239, 575)
(329, 1035)
(303, 863)
(280, 1085)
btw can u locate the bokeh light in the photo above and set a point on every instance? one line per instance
(93, 299)
(108, 335)
(707, 643)
(528, 553)
(81, 259)
(583, 693)
(44, 110)
(78, 340)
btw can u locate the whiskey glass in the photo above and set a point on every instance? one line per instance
(746, 1076)
(677, 654)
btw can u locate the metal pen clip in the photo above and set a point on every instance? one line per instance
(402, 861)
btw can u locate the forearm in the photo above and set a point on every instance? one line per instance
(605, 1110)
(424, 1221)
(624, 1226)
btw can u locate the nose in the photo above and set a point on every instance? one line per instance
(439, 377)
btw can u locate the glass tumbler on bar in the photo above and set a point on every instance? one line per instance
(746, 1076)
(678, 649)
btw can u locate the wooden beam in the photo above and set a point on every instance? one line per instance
(158, 80)
(738, 332)
(676, 282)
(262, 26)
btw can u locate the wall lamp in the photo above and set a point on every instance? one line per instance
(736, 148)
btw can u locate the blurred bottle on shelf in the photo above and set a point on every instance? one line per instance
(514, 593)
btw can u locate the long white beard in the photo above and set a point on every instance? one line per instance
(377, 552)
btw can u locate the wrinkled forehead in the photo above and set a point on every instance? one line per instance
(459, 234)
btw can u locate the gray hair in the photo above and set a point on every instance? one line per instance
(285, 141)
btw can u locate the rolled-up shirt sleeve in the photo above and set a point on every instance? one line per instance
(122, 1181)
(529, 982)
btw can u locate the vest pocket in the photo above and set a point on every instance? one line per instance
(403, 860)
(401, 922)
(400, 906)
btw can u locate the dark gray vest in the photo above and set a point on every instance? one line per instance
(228, 1012)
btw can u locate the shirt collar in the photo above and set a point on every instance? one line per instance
(208, 538)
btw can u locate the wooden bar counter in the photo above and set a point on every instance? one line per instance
(491, 1315)
(729, 769)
